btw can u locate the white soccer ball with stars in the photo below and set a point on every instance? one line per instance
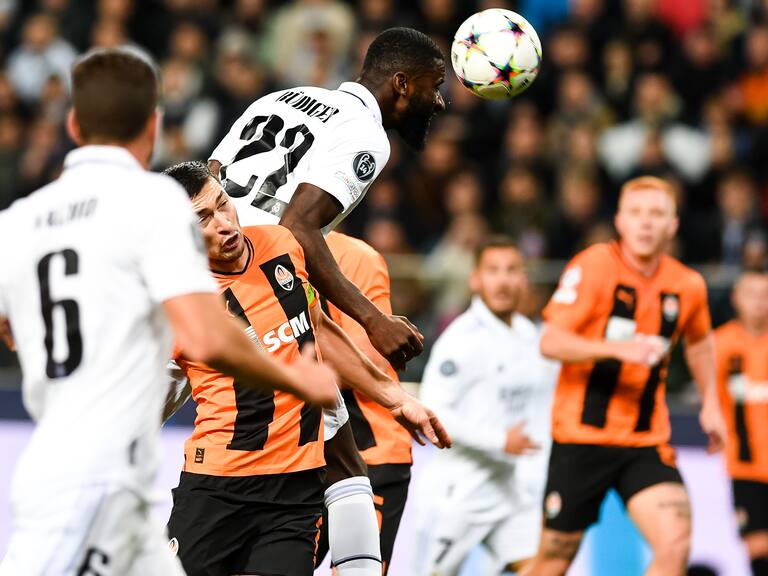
(496, 53)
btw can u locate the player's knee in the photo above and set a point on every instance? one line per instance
(672, 552)
(556, 552)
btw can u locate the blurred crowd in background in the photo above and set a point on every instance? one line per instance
(676, 88)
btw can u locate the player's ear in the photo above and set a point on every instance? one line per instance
(400, 84)
(673, 227)
(73, 129)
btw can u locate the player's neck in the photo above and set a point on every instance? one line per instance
(645, 266)
(755, 328)
(385, 106)
(137, 148)
(232, 266)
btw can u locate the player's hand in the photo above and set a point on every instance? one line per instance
(396, 339)
(713, 425)
(644, 349)
(316, 382)
(518, 442)
(421, 421)
(6, 336)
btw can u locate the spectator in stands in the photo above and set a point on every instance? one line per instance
(42, 54)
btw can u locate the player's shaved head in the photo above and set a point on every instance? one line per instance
(400, 50)
(114, 94)
(192, 176)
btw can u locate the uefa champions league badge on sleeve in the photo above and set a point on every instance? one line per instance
(448, 368)
(364, 165)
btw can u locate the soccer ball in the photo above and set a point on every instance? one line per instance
(496, 53)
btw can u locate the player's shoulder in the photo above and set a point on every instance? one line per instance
(728, 331)
(460, 329)
(269, 239)
(681, 274)
(595, 255)
(342, 244)
(525, 328)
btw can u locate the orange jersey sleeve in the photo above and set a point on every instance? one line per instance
(380, 439)
(579, 290)
(699, 323)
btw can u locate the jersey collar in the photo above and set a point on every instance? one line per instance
(488, 318)
(361, 92)
(115, 155)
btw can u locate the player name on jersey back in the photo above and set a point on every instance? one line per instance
(310, 106)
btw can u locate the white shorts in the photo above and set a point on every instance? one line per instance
(94, 531)
(450, 537)
(335, 418)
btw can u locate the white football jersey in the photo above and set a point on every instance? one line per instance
(482, 378)
(333, 139)
(85, 264)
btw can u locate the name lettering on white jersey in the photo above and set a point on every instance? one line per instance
(67, 213)
(287, 332)
(310, 106)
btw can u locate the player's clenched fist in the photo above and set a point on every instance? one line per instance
(396, 339)
(645, 349)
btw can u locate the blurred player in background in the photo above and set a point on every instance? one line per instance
(618, 310)
(94, 297)
(384, 445)
(253, 476)
(305, 157)
(481, 378)
(741, 348)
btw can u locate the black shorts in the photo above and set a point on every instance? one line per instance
(265, 525)
(580, 475)
(390, 491)
(750, 500)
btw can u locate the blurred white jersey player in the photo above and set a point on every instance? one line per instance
(492, 389)
(92, 268)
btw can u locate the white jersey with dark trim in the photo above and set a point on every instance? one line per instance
(85, 265)
(332, 139)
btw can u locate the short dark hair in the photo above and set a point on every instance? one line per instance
(191, 175)
(400, 50)
(114, 92)
(494, 241)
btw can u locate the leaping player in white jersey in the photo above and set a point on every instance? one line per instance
(492, 389)
(98, 271)
(304, 158)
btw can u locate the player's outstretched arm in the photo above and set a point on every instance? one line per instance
(358, 372)
(700, 358)
(204, 333)
(566, 346)
(311, 209)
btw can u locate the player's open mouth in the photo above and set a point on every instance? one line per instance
(232, 243)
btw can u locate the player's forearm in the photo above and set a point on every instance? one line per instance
(325, 275)
(355, 370)
(700, 357)
(476, 435)
(237, 356)
(565, 346)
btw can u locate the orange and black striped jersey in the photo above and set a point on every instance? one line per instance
(240, 431)
(600, 296)
(742, 379)
(380, 439)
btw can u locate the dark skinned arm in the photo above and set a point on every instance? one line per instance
(310, 209)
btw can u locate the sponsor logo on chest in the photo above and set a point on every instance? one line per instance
(287, 332)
